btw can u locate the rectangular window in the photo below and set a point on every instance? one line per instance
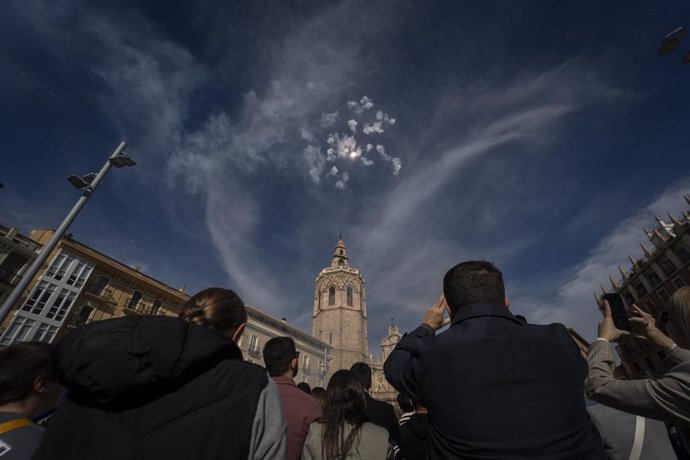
(44, 333)
(306, 362)
(17, 330)
(75, 273)
(663, 295)
(64, 266)
(667, 266)
(321, 368)
(59, 259)
(629, 299)
(653, 278)
(31, 301)
(683, 253)
(61, 306)
(678, 282)
(640, 290)
(39, 300)
(254, 343)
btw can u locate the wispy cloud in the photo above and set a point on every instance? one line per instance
(573, 303)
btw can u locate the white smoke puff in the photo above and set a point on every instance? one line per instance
(379, 115)
(366, 103)
(366, 161)
(312, 153)
(329, 119)
(389, 120)
(342, 182)
(353, 125)
(347, 146)
(397, 165)
(382, 150)
(374, 128)
(307, 135)
(352, 105)
(333, 172)
(330, 154)
(369, 147)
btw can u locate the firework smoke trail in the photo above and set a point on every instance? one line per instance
(355, 144)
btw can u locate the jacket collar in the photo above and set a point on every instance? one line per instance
(477, 310)
(281, 380)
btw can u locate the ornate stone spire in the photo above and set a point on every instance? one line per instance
(340, 254)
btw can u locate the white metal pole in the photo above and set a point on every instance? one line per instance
(50, 245)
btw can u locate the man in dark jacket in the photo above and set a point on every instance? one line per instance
(494, 386)
(380, 413)
(160, 388)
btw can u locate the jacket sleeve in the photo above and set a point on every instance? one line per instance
(403, 366)
(666, 398)
(676, 356)
(268, 429)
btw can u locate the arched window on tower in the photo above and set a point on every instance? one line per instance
(331, 296)
(349, 296)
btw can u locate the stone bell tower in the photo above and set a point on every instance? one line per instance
(340, 311)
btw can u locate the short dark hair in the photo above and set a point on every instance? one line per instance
(363, 373)
(304, 386)
(476, 281)
(278, 353)
(20, 365)
(404, 402)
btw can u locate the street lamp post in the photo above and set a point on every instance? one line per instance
(88, 183)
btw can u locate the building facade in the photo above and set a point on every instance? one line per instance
(17, 253)
(649, 283)
(78, 284)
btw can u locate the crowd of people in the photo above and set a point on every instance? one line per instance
(491, 386)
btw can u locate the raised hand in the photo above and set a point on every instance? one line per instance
(434, 316)
(646, 328)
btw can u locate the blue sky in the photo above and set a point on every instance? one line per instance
(539, 135)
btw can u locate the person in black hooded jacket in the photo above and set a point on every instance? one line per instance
(414, 434)
(153, 387)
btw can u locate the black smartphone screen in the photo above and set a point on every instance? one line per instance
(620, 315)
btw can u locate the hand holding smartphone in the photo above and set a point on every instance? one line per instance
(618, 311)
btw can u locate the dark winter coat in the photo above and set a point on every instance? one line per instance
(157, 387)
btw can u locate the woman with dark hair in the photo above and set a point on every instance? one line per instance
(151, 387)
(319, 393)
(344, 432)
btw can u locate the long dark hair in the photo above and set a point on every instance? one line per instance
(345, 403)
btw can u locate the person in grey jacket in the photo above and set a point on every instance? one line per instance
(666, 398)
(344, 432)
(630, 437)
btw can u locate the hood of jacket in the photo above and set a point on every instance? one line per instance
(136, 358)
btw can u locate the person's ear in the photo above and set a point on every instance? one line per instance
(238, 332)
(40, 383)
(506, 300)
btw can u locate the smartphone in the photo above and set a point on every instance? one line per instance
(620, 315)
